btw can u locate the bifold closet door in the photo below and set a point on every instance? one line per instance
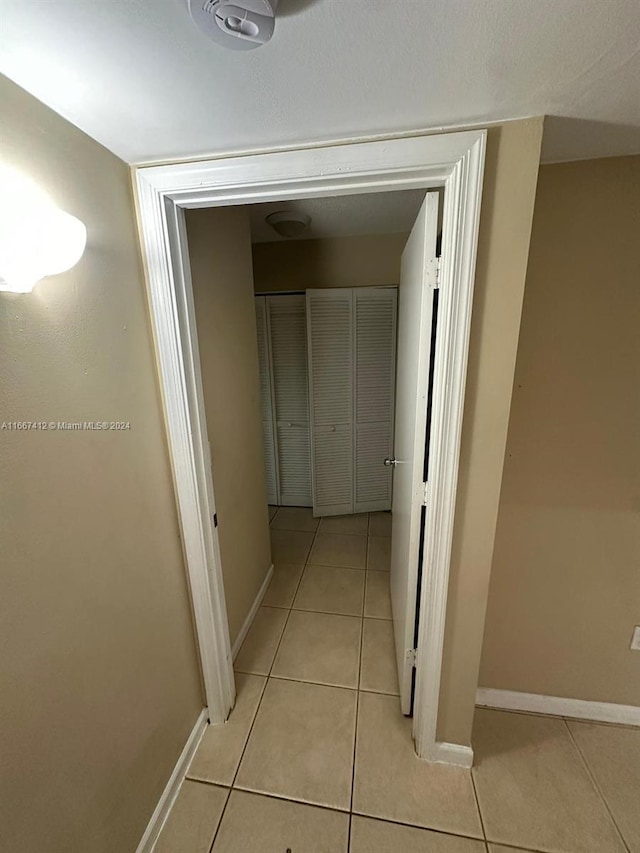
(352, 345)
(375, 310)
(331, 381)
(288, 339)
(266, 407)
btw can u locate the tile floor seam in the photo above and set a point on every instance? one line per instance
(290, 678)
(342, 568)
(246, 743)
(231, 786)
(445, 832)
(244, 748)
(290, 608)
(355, 728)
(266, 682)
(285, 799)
(329, 613)
(594, 782)
(477, 800)
(323, 683)
(224, 808)
(346, 533)
(512, 846)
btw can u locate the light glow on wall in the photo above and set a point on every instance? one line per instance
(37, 239)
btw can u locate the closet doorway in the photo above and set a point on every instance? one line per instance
(327, 385)
(454, 163)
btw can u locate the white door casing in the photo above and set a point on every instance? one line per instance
(415, 304)
(454, 161)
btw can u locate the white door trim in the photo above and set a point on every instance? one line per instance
(454, 161)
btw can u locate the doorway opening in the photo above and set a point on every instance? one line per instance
(330, 306)
(453, 162)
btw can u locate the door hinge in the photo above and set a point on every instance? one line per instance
(438, 265)
(410, 657)
(425, 493)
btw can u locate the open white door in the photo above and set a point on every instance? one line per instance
(418, 282)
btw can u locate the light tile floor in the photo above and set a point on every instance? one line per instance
(317, 758)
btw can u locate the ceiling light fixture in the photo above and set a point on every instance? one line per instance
(288, 223)
(235, 24)
(37, 239)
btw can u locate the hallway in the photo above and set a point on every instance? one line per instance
(316, 757)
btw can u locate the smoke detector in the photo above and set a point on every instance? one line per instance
(288, 223)
(235, 24)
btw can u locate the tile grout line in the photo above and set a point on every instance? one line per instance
(233, 780)
(290, 608)
(270, 676)
(477, 800)
(446, 832)
(510, 845)
(594, 782)
(281, 798)
(320, 684)
(222, 813)
(264, 690)
(355, 729)
(357, 691)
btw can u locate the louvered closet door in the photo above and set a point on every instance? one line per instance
(375, 354)
(270, 459)
(288, 333)
(330, 343)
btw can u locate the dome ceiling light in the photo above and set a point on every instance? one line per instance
(288, 223)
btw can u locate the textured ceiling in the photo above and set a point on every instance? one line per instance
(140, 78)
(344, 215)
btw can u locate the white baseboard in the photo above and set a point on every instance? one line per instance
(557, 706)
(252, 613)
(451, 753)
(172, 787)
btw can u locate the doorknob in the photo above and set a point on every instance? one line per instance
(390, 462)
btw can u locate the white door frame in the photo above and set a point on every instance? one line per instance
(454, 161)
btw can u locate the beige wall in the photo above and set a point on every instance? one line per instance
(98, 673)
(220, 250)
(565, 587)
(513, 154)
(334, 262)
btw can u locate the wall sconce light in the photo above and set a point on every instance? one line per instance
(37, 239)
